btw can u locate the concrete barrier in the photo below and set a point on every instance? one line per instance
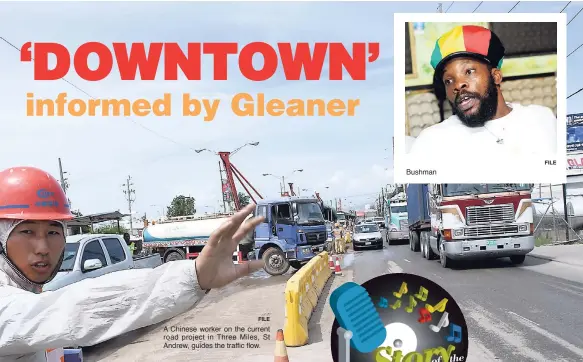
(301, 297)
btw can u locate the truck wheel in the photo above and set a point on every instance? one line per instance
(275, 262)
(414, 240)
(444, 260)
(174, 255)
(430, 253)
(517, 259)
(296, 264)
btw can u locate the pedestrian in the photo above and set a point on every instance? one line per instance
(36, 325)
(129, 242)
(339, 245)
(467, 62)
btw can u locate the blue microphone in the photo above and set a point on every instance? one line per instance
(356, 313)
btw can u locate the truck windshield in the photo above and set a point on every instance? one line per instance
(401, 209)
(70, 256)
(364, 229)
(341, 217)
(473, 189)
(309, 213)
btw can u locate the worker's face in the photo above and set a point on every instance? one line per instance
(472, 90)
(35, 248)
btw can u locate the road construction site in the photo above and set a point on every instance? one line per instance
(514, 313)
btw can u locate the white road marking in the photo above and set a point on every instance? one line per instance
(501, 331)
(558, 340)
(407, 260)
(394, 268)
(524, 318)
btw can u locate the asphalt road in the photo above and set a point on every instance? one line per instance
(514, 313)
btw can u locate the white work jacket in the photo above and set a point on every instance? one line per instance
(93, 310)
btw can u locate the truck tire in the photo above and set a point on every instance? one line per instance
(426, 246)
(444, 260)
(414, 240)
(517, 259)
(296, 264)
(275, 261)
(174, 255)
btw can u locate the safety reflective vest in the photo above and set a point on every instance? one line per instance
(55, 355)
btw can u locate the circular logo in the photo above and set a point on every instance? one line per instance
(397, 317)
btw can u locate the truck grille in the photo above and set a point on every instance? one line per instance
(490, 214)
(316, 238)
(490, 230)
(404, 224)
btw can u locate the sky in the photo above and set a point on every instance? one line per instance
(341, 157)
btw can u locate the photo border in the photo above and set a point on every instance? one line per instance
(531, 170)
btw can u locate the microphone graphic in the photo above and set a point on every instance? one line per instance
(357, 315)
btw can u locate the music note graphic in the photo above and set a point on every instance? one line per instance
(440, 307)
(422, 295)
(402, 290)
(455, 333)
(383, 303)
(412, 304)
(443, 322)
(425, 316)
(397, 304)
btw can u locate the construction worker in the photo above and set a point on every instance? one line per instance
(339, 244)
(35, 326)
(129, 242)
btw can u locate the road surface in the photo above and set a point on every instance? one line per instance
(514, 313)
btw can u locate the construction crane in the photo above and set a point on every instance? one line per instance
(229, 189)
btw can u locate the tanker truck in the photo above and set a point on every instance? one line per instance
(294, 231)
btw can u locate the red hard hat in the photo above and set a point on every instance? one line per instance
(28, 193)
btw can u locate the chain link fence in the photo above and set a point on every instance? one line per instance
(549, 220)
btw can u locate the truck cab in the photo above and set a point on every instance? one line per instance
(398, 224)
(293, 232)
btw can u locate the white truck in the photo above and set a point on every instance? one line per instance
(93, 255)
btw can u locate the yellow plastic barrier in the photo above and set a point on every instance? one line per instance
(301, 297)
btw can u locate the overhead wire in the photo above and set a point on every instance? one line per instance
(480, 4)
(449, 7)
(515, 5)
(90, 96)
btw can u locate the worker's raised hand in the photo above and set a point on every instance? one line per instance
(214, 266)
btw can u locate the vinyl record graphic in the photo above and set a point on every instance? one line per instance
(422, 322)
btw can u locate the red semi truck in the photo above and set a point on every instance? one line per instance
(455, 222)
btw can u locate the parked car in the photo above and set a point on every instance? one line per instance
(93, 255)
(367, 235)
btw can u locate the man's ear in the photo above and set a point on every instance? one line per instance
(497, 75)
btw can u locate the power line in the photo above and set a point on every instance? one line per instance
(573, 18)
(565, 7)
(515, 5)
(480, 4)
(581, 45)
(449, 7)
(90, 96)
(572, 94)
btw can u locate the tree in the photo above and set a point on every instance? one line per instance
(77, 230)
(181, 206)
(244, 199)
(111, 229)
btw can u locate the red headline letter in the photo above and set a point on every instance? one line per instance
(174, 58)
(246, 61)
(302, 60)
(220, 51)
(128, 64)
(41, 61)
(105, 61)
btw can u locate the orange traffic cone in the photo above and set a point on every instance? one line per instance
(331, 262)
(280, 350)
(337, 269)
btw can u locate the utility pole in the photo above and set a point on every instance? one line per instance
(129, 192)
(64, 184)
(566, 211)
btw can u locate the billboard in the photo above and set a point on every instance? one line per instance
(575, 133)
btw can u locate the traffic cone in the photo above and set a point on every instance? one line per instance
(331, 262)
(280, 350)
(337, 269)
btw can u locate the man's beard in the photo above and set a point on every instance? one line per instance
(488, 103)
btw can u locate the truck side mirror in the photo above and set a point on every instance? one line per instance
(92, 264)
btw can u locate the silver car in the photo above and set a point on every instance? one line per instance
(367, 235)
